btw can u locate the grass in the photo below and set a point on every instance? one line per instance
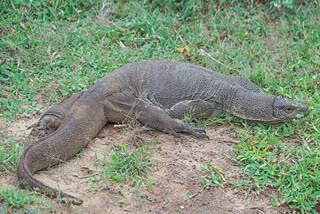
(55, 48)
(15, 200)
(10, 152)
(128, 165)
(268, 162)
(214, 177)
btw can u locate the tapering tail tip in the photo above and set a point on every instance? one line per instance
(27, 180)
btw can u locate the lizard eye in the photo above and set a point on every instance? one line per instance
(288, 109)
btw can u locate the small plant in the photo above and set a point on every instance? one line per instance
(26, 201)
(139, 195)
(283, 3)
(215, 177)
(123, 165)
(267, 162)
(192, 194)
(9, 153)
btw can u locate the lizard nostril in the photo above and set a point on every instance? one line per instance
(307, 111)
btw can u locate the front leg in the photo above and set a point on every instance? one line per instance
(195, 108)
(121, 106)
(155, 117)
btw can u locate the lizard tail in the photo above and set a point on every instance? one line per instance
(26, 179)
(85, 120)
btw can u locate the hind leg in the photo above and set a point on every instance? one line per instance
(53, 117)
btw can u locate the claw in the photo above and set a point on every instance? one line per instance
(175, 134)
(45, 126)
(151, 98)
(197, 132)
(200, 130)
(33, 125)
(178, 135)
(70, 200)
(203, 132)
(201, 135)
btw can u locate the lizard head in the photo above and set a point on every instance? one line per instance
(267, 109)
(284, 109)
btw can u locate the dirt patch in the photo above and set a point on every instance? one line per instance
(178, 173)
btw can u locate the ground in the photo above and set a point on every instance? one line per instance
(178, 172)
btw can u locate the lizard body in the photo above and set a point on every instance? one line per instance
(159, 93)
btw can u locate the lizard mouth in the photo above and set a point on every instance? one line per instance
(303, 110)
(285, 109)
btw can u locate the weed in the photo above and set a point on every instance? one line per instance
(268, 162)
(13, 199)
(192, 193)
(139, 195)
(214, 177)
(124, 166)
(10, 152)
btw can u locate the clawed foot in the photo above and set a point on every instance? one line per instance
(45, 126)
(70, 200)
(197, 132)
(200, 130)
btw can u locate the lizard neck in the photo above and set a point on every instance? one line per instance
(253, 106)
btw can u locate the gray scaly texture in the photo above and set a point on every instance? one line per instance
(158, 94)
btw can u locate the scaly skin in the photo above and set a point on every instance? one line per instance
(157, 93)
(60, 146)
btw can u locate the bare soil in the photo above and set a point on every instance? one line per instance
(178, 172)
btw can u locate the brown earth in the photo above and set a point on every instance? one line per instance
(178, 172)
